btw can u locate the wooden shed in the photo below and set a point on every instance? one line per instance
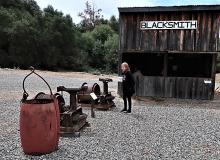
(172, 51)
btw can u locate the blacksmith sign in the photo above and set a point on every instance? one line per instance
(147, 25)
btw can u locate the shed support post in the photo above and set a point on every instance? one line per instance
(165, 63)
(214, 59)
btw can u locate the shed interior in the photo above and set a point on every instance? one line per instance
(170, 65)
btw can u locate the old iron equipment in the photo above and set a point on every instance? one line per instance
(106, 98)
(84, 96)
(72, 119)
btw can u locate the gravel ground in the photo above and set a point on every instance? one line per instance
(156, 129)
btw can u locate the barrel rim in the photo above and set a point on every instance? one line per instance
(38, 101)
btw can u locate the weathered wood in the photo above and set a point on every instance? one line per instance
(170, 83)
(209, 30)
(122, 32)
(169, 87)
(132, 38)
(173, 9)
(178, 87)
(149, 87)
(214, 62)
(119, 61)
(120, 88)
(203, 40)
(194, 88)
(171, 52)
(130, 27)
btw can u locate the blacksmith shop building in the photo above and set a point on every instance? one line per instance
(171, 50)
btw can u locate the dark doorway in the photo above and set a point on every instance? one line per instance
(149, 64)
(170, 65)
(189, 65)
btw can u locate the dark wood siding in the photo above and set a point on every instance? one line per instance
(173, 87)
(203, 39)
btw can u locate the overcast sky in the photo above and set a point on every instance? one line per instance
(110, 7)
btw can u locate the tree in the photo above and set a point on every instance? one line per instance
(48, 39)
(44, 39)
(114, 23)
(111, 56)
(90, 17)
(101, 47)
(102, 33)
(6, 22)
(60, 42)
(12, 3)
(32, 7)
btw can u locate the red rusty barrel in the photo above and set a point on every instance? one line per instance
(39, 122)
(84, 95)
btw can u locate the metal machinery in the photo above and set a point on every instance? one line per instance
(84, 95)
(72, 119)
(105, 99)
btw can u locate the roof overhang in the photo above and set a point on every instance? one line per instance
(189, 8)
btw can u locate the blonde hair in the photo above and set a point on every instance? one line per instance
(125, 64)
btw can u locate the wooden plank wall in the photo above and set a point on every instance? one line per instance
(172, 87)
(205, 38)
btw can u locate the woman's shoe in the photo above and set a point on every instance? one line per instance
(124, 110)
(128, 111)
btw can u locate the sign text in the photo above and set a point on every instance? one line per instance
(145, 25)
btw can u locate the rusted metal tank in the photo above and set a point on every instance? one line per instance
(39, 122)
(84, 95)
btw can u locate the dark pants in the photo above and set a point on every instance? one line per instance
(127, 98)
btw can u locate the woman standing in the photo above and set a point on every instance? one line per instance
(127, 85)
